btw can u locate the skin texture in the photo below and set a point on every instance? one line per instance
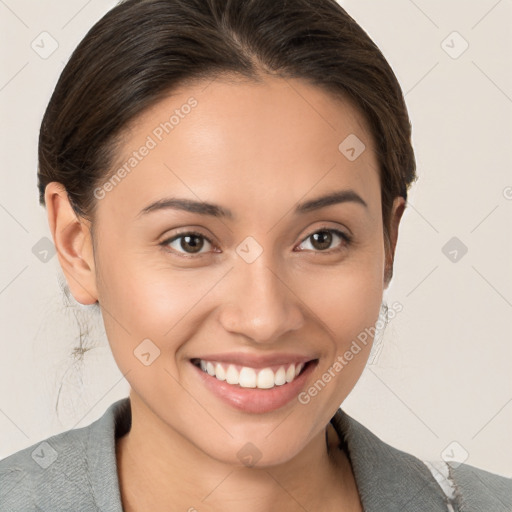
(259, 150)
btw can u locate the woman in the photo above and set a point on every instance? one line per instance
(226, 180)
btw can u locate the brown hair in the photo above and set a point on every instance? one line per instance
(143, 49)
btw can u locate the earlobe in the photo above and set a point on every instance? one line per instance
(396, 215)
(73, 243)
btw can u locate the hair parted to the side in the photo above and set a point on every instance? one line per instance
(143, 49)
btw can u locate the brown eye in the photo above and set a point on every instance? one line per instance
(187, 243)
(321, 240)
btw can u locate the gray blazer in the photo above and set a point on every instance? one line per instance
(75, 471)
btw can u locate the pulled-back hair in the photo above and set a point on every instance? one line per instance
(142, 50)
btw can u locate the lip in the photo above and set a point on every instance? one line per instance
(254, 400)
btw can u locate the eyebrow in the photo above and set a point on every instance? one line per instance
(214, 210)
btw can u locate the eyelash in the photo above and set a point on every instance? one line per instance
(344, 237)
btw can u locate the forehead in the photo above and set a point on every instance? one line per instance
(244, 143)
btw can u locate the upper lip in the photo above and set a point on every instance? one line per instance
(257, 361)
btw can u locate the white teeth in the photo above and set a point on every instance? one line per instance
(264, 378)
(247, 378)
(280, 377)
(232, 375)
(219, 372)
(210, 368)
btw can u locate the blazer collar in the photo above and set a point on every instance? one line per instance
(388, 480)
(101, 455)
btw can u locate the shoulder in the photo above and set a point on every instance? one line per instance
(473, 488)
(390, 479)
(77, 466)
(52, 464)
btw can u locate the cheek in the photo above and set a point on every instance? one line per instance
(347, 298)
(348, 302)
(143, 298)
(348, 306)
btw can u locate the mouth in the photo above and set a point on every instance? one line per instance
(254, 390)
(249, 377)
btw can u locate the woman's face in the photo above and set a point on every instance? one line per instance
(268, 278)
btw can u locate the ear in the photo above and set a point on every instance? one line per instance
(73, 243)
(396, 215)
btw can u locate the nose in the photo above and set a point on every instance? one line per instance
(261, 306)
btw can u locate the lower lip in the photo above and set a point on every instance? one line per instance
(255, 400)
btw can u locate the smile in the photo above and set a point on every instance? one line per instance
(254, 383)
(247, 377)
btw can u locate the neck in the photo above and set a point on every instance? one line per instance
(158, 467)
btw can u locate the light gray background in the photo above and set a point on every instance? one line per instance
(443, 373)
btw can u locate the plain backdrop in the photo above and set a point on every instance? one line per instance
(440, 385)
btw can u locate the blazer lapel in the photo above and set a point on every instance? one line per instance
(388, 480)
